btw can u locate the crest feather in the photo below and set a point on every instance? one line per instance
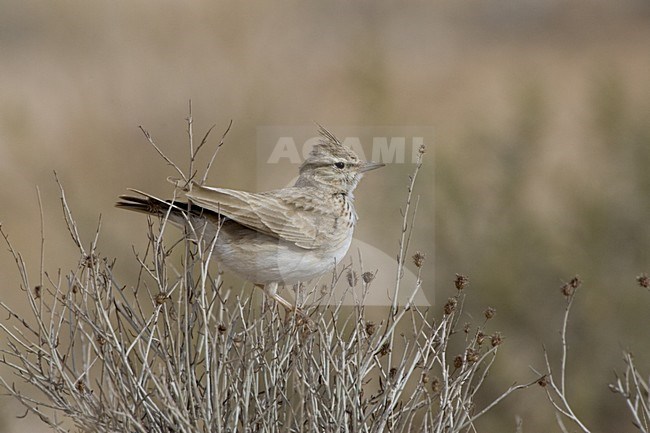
(329, 147)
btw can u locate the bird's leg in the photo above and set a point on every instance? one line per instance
(271, 290)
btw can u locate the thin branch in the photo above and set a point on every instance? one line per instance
(556, 394)
(496, 401)
(160, 152)
(42, 248)
(69, 220)
(216, 151)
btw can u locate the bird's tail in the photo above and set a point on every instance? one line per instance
(201, 223)
(151, 205)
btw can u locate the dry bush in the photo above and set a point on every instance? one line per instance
(175, 351)
(632, 386)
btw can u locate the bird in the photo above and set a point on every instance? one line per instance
(282, 237)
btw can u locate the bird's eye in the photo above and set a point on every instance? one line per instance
(340, 165)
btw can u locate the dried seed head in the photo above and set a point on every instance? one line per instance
(458, 361)
(37, 291)
(418, 259)
(461, 281)
(496, 339)
(490, 312)
(90, 261)
(422, 149)
(371, 327)
(221, 328)
(543, 381)
(161, 298)
(480, 337)
(384, 349)
(472, 356)
(100, 340)
(80, 386)
(467, 327)
(450, 306)
(567, 290)
(352, 278)
(436, 385)
(643, 280)
(424, 378)
(367, 277)
(575, 282)
(392, 373)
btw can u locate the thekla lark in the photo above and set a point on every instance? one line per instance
(283, 236)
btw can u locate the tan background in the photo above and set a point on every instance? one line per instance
(541, 156)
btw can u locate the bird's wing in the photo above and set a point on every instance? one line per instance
(290, 214)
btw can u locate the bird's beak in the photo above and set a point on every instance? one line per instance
(369, 165)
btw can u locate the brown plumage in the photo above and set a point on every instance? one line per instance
(284, 236)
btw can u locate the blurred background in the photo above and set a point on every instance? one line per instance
(539, 168)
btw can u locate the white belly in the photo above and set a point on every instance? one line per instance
(263, 259)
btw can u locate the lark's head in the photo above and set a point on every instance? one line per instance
(333, 166)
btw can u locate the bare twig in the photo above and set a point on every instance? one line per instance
(635, 389)
(42, 247)
(216, 150)
(69, 220)
(162, 154)
(557, 393)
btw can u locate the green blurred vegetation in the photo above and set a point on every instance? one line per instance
(539, 169)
